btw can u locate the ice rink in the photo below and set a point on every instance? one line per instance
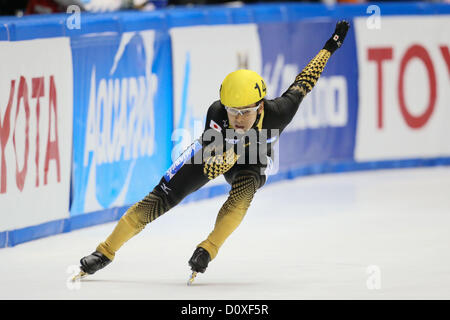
(363, 235)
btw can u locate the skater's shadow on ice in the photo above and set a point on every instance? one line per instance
(173, 283)
(112, 281)
(221, 284)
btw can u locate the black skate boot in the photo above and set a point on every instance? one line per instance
(94, 262)
(199, 260)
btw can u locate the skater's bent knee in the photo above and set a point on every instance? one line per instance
(244, 187)
(146, 210)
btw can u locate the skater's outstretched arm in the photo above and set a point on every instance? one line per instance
(306, 80)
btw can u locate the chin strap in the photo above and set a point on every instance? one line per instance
(258, 121)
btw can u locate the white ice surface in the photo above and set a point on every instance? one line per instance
(308, 238)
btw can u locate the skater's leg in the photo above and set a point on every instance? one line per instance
(181, 179)
(231, 214)
(132, 222)
(165, 196)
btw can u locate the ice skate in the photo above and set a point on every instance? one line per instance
(191, 279)
(91, 264)
(79, 276)
(198, 263)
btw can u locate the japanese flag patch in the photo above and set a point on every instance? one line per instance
(215, 126)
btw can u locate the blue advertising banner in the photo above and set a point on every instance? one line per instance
(122, 117)
(323, 129)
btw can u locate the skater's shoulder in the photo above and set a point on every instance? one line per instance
(216, 109)
(215, 106)
(271, 106)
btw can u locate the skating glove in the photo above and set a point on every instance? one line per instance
(338, 36)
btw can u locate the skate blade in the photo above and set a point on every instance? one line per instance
(191, 279)
(79, 276)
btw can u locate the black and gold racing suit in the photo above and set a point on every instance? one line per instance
(210, 157)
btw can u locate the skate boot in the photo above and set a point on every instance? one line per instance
(198, 262)
(94, 262)
(91, 264)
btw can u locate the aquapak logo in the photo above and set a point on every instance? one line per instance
(120, 121)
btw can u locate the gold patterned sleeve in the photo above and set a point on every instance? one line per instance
(307, 79)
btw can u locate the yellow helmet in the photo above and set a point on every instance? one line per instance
(242, 88)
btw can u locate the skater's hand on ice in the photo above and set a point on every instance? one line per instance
(338, 36)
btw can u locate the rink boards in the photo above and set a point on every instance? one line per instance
(91, 117)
